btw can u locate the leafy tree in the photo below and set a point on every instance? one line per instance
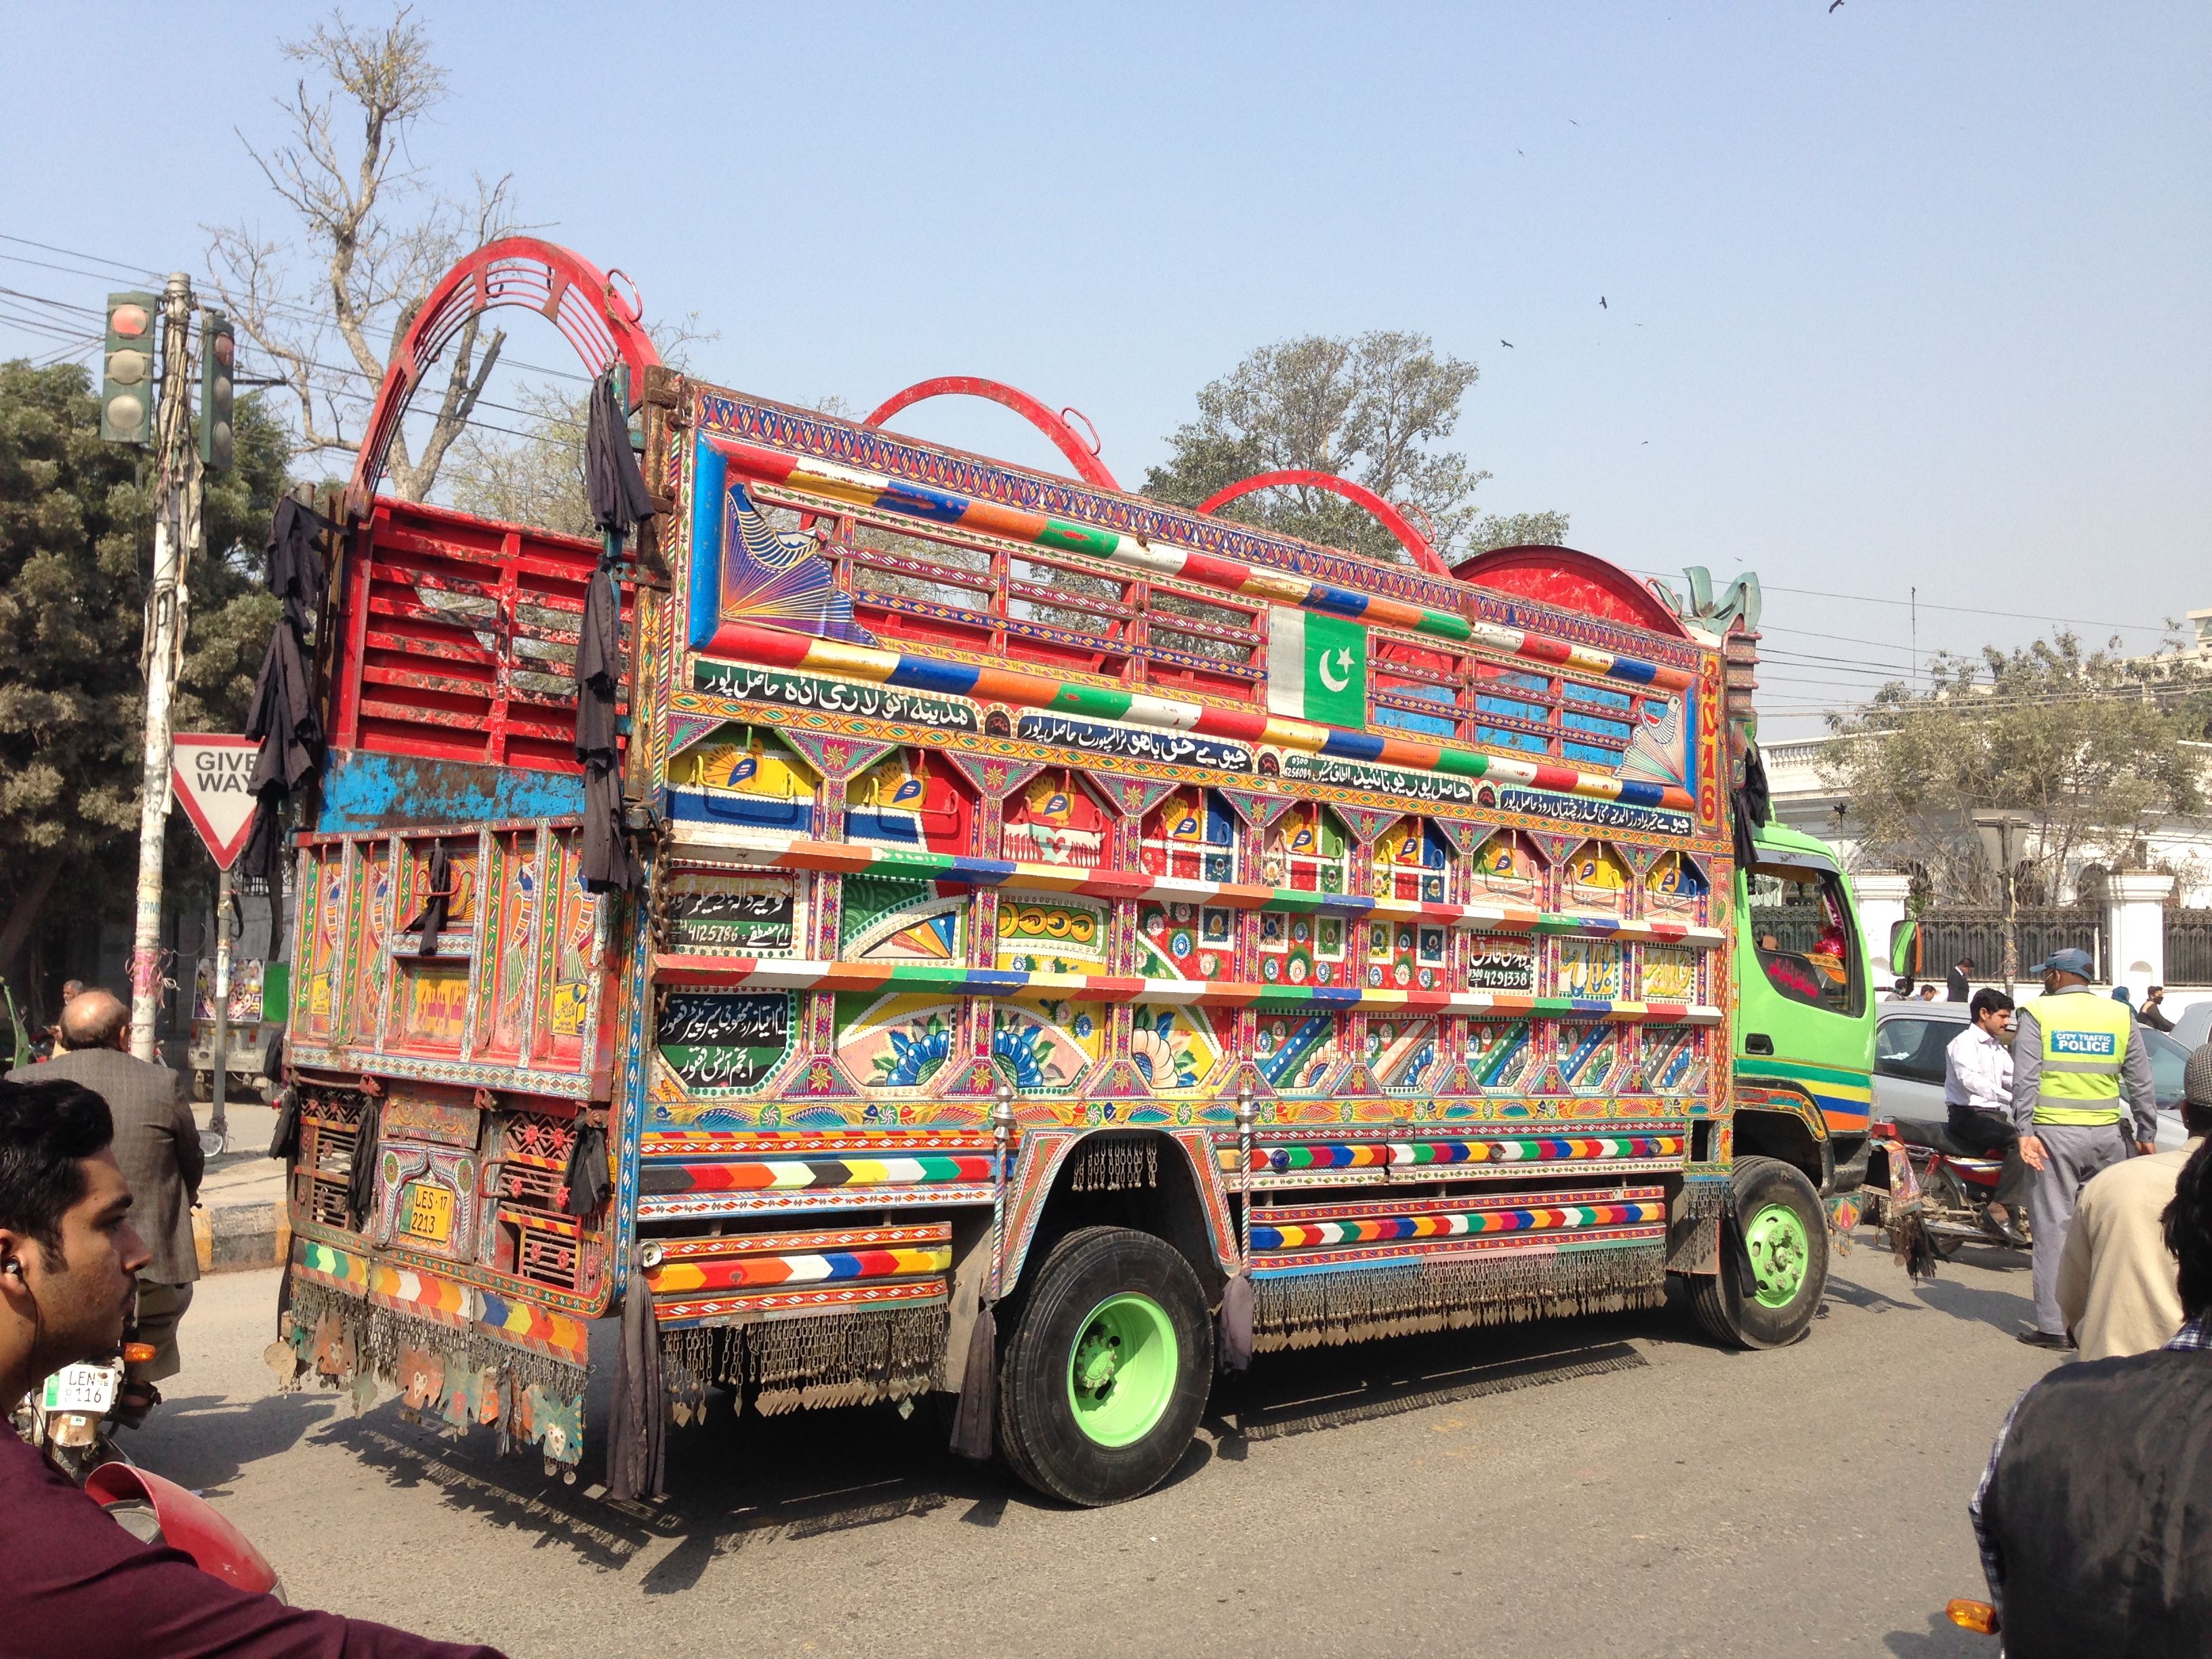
(379, 238)
(76, 550)
(1372, 409)
(2088, 746)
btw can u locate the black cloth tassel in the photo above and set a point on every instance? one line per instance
(285, 1142)
(1236, 1323)
(282, 718)
(637, 1436)
(588, 1181)
(609, 866)
(1754, 804)
(612, 484)
(360, 1183)
(975, 1421)
(432, 922)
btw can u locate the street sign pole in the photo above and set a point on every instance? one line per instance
(218, 1125)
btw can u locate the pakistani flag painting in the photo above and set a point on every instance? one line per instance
(1317, 668)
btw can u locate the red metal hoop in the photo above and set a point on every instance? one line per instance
(1085, 461)
(575, 294)
(1388, 516)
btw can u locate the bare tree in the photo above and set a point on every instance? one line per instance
(381, 234)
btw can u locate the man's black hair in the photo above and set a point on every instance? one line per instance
(2188, 1224)
(46, 1129)
(2195, 1120)
(1988, 1001)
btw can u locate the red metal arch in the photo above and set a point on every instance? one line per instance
(1083, 457)
(1391, 518)
(560, 285)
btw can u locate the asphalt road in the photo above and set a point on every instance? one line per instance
(1611, 1485)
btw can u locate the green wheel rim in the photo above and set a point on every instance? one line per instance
(1121, 1371)
(1780, 1254)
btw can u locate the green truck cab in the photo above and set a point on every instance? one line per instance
(1804, 1026)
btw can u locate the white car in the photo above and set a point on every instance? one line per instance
(1909, 1040)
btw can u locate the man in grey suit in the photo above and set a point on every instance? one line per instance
(158, 1146)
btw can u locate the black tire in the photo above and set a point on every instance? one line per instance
(1943, 1192)
(1718, 1299)
(1039, 1434)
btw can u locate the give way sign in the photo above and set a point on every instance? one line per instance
(208, 776)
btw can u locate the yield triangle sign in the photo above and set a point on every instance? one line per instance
(208, 776)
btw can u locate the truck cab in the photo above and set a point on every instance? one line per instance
(1805, 1016)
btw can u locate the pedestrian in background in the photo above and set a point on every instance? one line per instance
(1928, 993)
(2075, 1055)
(2153, 1013)
(2091, 1516)
(1959, 982)
(158, 1146)
(1977, 1101)
(2117, 1290)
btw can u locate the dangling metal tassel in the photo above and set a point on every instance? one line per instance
(1237, 1299)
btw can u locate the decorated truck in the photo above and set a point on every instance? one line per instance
(1078, 942)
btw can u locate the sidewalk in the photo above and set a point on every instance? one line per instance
(242, 1222)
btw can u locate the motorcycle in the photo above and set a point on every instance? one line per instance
(1953, 1186)
(72, 1419)
(74, 1415)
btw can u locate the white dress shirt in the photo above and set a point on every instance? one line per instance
(1977, 1072)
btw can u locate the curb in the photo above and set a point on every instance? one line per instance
(233, 1238)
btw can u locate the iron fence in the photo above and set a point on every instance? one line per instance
(1977, 932)
(2189, 947)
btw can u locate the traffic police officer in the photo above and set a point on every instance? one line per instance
(2074, 1055)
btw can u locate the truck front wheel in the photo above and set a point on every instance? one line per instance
(1106, 1374)
(1779, 1245)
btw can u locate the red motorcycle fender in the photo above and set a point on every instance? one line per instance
(189, 1523)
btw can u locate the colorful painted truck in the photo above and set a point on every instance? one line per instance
(1118, 928)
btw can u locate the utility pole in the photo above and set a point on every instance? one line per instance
(176, 529)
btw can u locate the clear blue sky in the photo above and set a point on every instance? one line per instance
(1899, 294)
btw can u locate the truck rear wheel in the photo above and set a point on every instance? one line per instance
(1781, 1227)
(1106, 1374)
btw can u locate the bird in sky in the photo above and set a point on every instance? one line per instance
(1509, 345)
(1602, 305)
(1834, 4)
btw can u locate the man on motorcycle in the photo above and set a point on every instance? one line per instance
(1977, 1099)
(76, 1584)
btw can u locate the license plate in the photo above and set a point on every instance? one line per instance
(428, 1213)
(81, 1388)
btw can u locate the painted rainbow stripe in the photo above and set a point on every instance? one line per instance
(785, 1301)
(803, 1174)
(773, 852)
(759, 1272)
(798, 974)
(858, 487)
(1501, 1149)
(779, 648)
(1461, 1224)
(407, 1291)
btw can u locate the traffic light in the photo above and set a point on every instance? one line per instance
(126, 385)
(218, 353)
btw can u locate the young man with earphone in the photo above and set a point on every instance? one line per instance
(74, 1584)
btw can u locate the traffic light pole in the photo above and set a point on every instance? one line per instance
(176, 499)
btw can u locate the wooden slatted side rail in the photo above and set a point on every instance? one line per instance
(457, 638)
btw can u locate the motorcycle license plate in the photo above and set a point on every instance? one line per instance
(81, 1388)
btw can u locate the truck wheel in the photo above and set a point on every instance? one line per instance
(203, 1085)
(1106, 1374)
(1785, 1232)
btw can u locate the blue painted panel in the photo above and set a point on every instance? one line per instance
(363, 791)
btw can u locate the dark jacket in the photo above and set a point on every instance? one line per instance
(2100, 1506)
(156, 1142)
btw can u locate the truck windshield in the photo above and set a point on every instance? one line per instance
(1803, 940)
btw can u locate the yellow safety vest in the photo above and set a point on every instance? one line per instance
(2085, 1039)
